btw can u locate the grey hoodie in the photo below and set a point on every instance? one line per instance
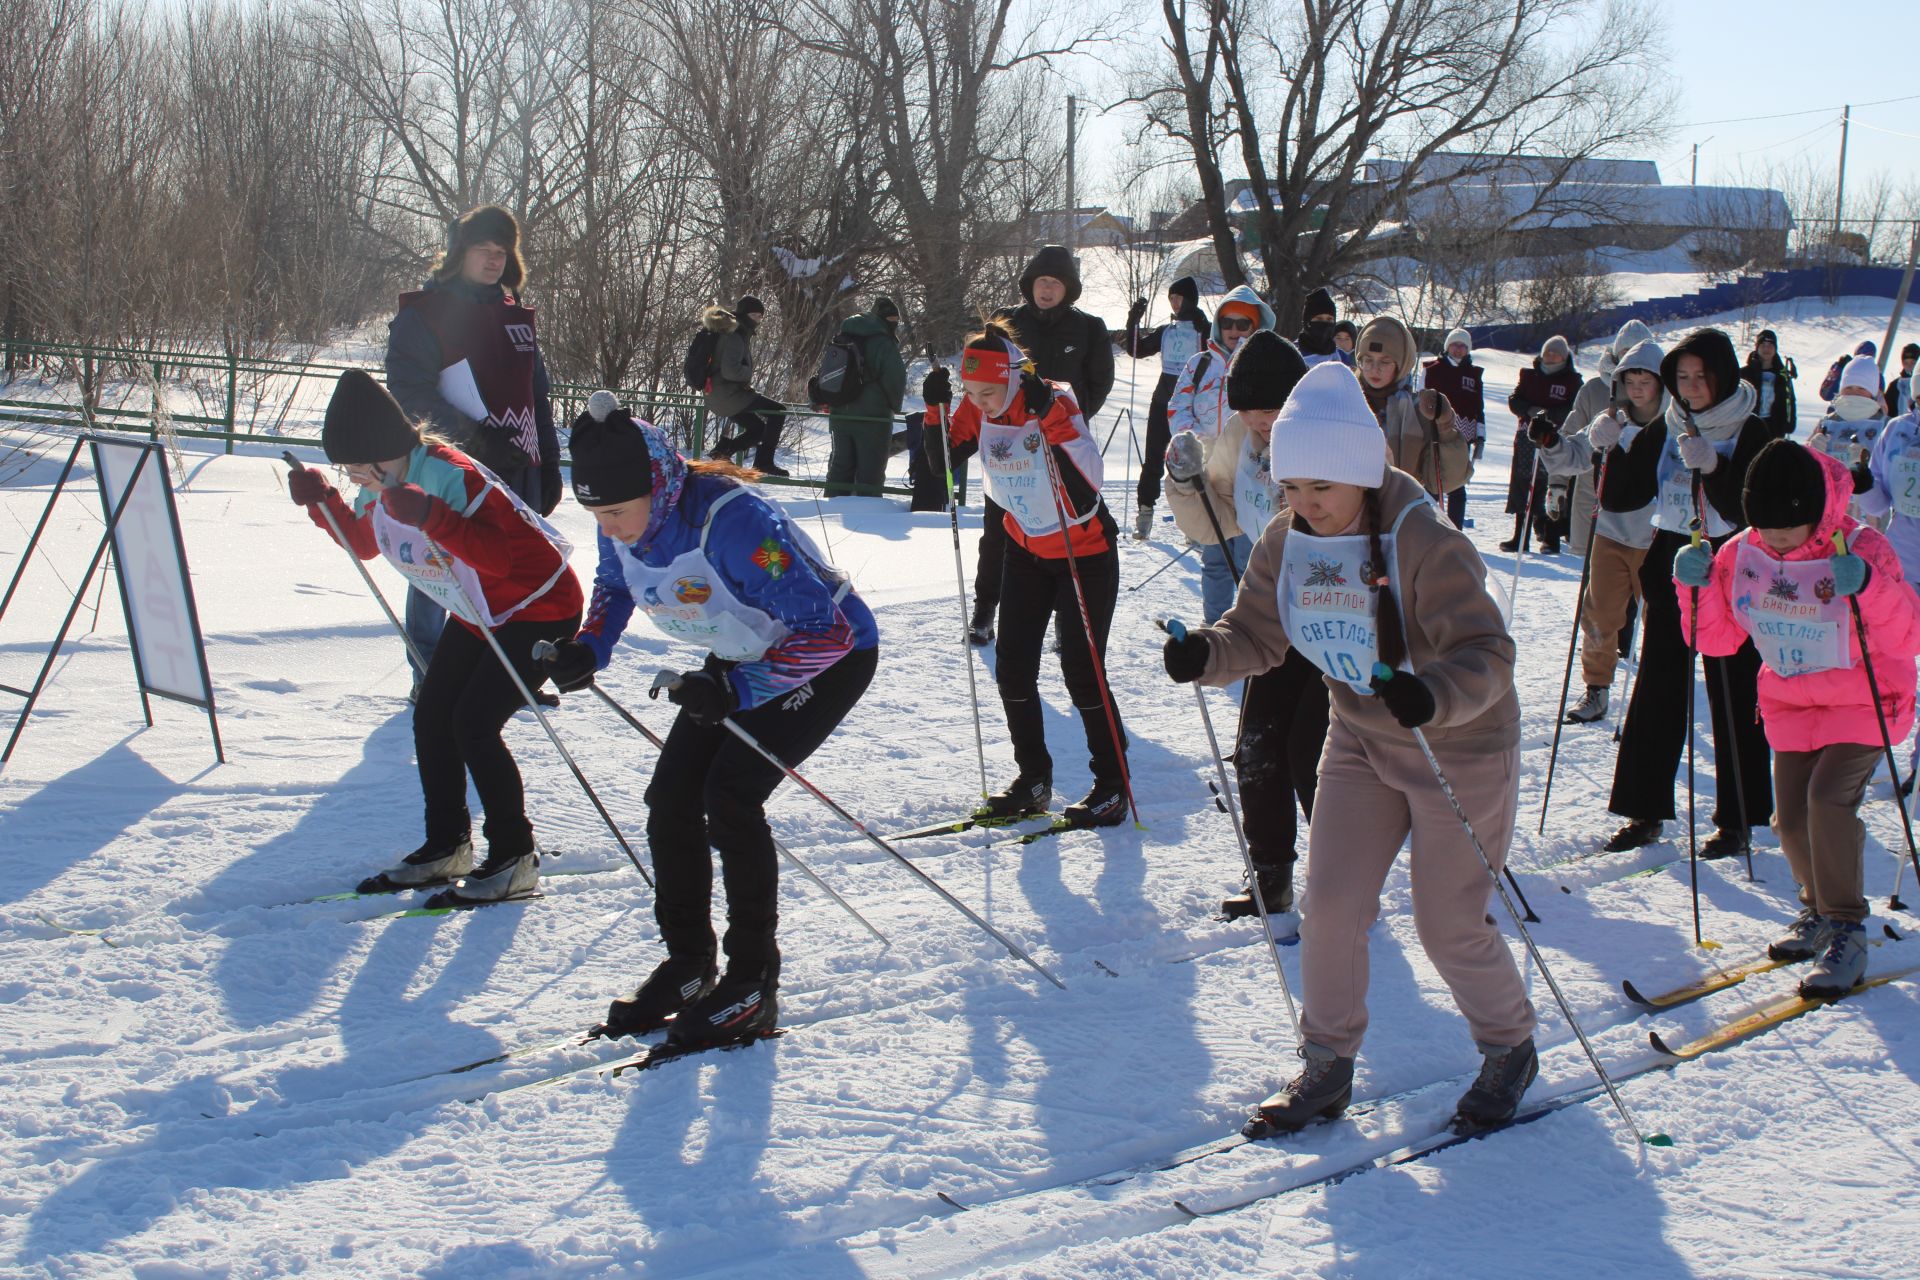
(1573, 455)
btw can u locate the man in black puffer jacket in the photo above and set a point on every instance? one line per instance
(1066, 345)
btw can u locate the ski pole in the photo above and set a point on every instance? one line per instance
(543, 648)
(1886, 741)
(1540, 962)
(418, 663)
(1693, 833)
(1055, 484)
(1206, 504)
(1726, 682)
(1632, 683)
(1162, 569)
(671, 680)
(1579, 610)
(539, 713)
(1177, 629)
(960, 585)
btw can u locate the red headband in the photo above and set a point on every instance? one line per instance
(985, 366)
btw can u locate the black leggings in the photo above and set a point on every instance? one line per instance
(1153, 459)
(466, 698)
(709, 791)
(993, 554)
(1033, 591)
(1283, 729)
(1655, 733)
(759, 426)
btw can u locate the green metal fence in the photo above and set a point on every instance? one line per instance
(250, 400)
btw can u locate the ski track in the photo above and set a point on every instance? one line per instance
(221, 1086)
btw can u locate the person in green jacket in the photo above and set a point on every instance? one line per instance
(862, 429)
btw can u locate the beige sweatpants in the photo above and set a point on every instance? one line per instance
(1371, 794)
(1816, 810)
(1613, 583)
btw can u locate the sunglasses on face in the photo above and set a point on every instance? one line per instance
(1236, 322)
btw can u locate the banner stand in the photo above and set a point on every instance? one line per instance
(163, 624)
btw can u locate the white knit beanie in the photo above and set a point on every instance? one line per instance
(1460, 336)
(1862, 372)
(1325, 431)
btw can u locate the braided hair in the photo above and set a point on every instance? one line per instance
(1391, 638)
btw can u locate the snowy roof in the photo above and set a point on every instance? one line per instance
(1536, 169)
(1579, 204)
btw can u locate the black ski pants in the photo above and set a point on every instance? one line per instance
(993, 554)
(1035, 590)
(1153, 458)
(466, 698)
(1655, 734)
(1283, 728)
(709, 791)
(758, 427)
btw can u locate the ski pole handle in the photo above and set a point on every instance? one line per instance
(668, 680)
(287, 456)
(1839, 543)
(1174, 627)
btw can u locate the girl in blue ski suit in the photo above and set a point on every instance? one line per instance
(790, 649)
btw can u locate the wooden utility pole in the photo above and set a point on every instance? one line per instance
(1073, 222)
(1840, 187)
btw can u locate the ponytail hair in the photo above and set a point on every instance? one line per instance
(1390, 636)
(992, 334)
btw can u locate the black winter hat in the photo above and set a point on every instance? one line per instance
(1264, 370)
(1715, 349)
(1055, 260)
(365, 423)
(1186, 287)
(748, 305)
(1911, 349)
(884, 308)
(1347, 327)
(488, 224)
(611, 461)
(1318, 303)
(1767, 335)
(1786, 487)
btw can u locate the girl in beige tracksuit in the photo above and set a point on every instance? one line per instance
(1368, 572)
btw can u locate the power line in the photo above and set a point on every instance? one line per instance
(1895, 132)
(1788, 115)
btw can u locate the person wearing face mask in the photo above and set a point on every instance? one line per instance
(1283, 712)
(1455, 376)
(1855, 418)
(1423, 433)
(1713, 435)
(790, 649)
(1391, 603)
(1177, 341)
(1830, 385)
(1547, 389)
(1893, 466)
(455, 532)
(1771, 377)
(1625, 439)
(1316, 341)
(1008, 416)
(1199, 407)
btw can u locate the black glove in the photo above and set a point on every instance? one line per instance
(937, 387)
(1136, 313)
(494, 449)
(1405, 694)
(1035, 394)
(1186, 657)
(1542, 431)
(570, 666)
(1862, 477)
(707, 698)
(551, 487)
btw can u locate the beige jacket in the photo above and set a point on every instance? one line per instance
(1418, 445)
(1456, 641)
(1223, 459)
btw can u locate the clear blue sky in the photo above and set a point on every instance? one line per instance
(1739, 58)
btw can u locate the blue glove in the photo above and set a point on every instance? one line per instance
(1850, 574)
(1406, 695)
(1693, 567)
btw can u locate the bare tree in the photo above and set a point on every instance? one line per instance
(1311, 97)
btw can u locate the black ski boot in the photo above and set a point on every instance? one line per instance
(980, 630)
(1513, 543)
(1505, 1073)
(1104, 806)
(737, 1010)
(1024, 797)
(1640, 831)
(674, 984)
(1321, 1091)
(1727, 842)
(1276, 890)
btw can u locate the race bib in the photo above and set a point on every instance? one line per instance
(1903, 476)
(449, 582)
(1675, 513)
(1789, 608)
(1017, 476)
(1329, 605)
(1179, 343)
(1253, 493)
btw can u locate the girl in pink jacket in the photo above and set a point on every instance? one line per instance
(1785, 585)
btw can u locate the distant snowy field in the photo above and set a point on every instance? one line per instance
(217, 1085)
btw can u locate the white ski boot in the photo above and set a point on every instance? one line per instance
(422, 869)
(498, 879)
(1592, 707)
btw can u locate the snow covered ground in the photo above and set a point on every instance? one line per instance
(217, 1085)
